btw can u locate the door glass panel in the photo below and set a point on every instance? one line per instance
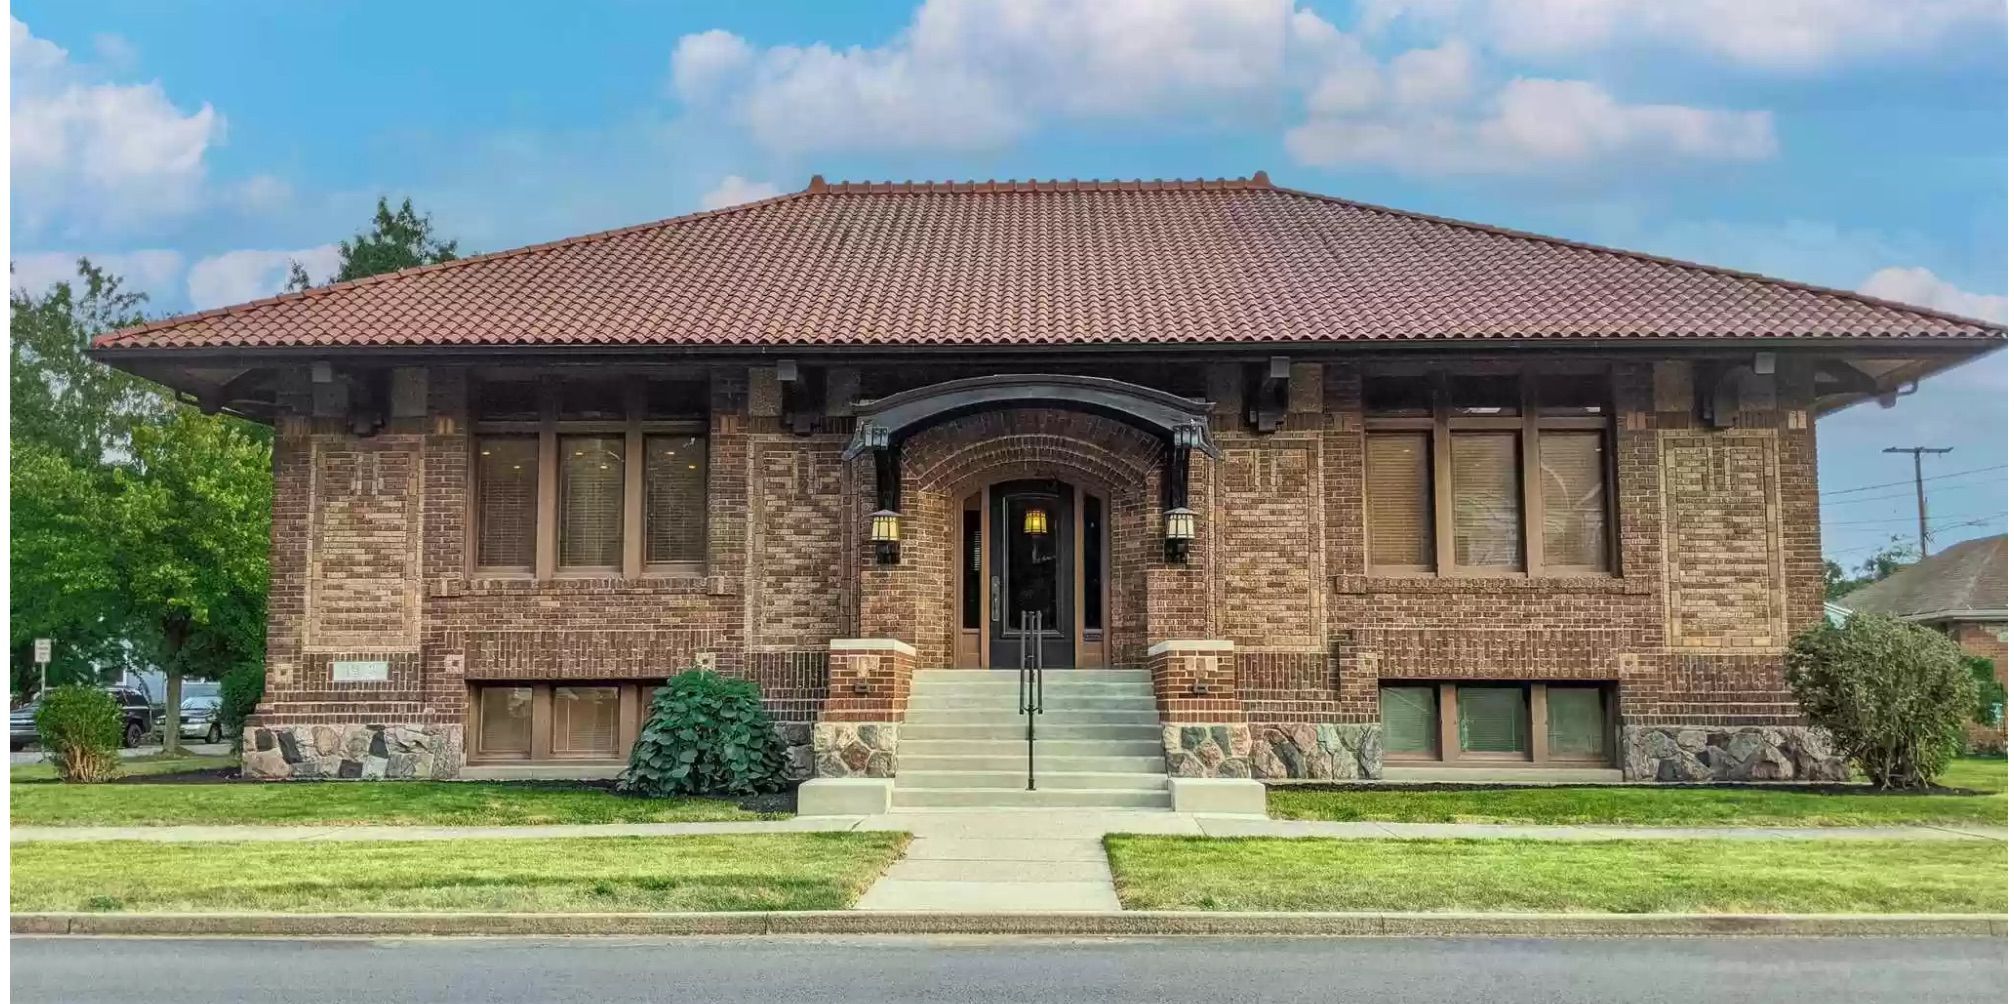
(1093, 544)
(1031, 560)
(1573, 722)
(1411, 719)
(506, 721)
(969, 557)
(1492, 719)
(583, 721)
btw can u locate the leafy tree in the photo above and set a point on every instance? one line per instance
(401, 238)
(191, 515)
(1891, 558)
(75, 406)
(1991, 706)
(1894, 696)
(64, 576)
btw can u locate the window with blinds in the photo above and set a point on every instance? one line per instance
(1575, 724)
(1398, 489)
(506, 502)
(590, 501)
(584, 721)
(1412, 720)
(1488, 508)
(1491, 719)
(674, 486)
(1574, 469)
(505, 714)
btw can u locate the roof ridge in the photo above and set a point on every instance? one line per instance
(1258, 181)
(1736, 273)
(111, 338)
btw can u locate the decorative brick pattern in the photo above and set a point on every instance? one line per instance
(1269, 536)
(1720, 490)
(1195, 681)
(869, 680)
(801, 593)
(364, 552)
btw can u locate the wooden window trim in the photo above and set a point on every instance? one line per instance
(548, 429)
(632, 707)
(1448, 750)
(1530, 426)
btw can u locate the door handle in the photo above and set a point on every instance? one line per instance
(996, 598)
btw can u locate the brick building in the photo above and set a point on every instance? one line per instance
(1356, 490)
(1961, 591)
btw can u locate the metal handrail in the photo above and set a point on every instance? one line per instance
(1031, 680)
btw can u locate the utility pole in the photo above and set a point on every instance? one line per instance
(1922, 504)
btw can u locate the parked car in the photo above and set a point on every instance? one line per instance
(136, 714)
(200, 718)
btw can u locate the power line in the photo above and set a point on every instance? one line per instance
(1908, 519)
(1912, 481)
(1901, 495)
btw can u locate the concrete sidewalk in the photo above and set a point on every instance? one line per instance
(1014, 824)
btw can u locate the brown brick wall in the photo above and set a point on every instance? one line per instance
(1987, 638)
(1717, 530)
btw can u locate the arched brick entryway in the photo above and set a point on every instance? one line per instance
(916, 600)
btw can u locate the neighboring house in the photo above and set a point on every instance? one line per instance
(1961, 591)
(1359, 488)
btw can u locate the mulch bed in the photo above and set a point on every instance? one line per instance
(1815, 789)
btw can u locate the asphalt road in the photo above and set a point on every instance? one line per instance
(188, 746)
(885, 970)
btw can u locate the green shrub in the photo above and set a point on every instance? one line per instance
(79, 728)
(238, 696)
(1992, 703)
(1894, 696)
(706, 735)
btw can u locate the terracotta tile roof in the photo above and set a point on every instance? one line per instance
(1046, 263)
(1967, 577)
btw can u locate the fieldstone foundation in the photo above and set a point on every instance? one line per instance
(799, 762)
(360, 752)
(1746, 753)
(1296, 751)
(854, 749)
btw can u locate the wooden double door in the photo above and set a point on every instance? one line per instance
(1032, 552)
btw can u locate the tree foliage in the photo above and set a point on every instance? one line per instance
(706, 735)
(398, 238)
(1895, 696)
(1891, 558)
(139, 525)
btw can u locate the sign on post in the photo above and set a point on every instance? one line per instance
(42, 651)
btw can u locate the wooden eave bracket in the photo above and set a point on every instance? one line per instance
(1266, 407)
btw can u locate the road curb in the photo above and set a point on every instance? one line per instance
(1135, 924)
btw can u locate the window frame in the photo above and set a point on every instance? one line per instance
(549, 428)
(632, 708)
(1530, 426)
(1447, 749)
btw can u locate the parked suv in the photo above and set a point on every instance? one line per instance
(136, 714)
(200, 718)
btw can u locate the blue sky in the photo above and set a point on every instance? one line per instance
(197, 147)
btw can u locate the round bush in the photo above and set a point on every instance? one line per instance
(706, 735)
(1894, 696)
(79, 728)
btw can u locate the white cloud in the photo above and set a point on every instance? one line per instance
(1922, 287)
(1794, 35)
(981, 73)
(238, 276)
(91, 153)
(1432, 76)
(1533, 125)
(151, 271)
(734, 190)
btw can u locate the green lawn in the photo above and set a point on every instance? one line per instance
(1623, 876)
(350, 803)
(780, 871)
(1675, 806)
(134, 766)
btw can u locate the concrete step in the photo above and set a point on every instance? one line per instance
(1016, 729)
(1053, 701)
(1010, 798)
(1044, 762)
(1127, 781)
(1044, 746)
(1010, 675)
(1049, 717)
(1008, 691)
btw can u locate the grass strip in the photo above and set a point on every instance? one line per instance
(780, 871)
(1672, 806)
(1622, 876)
(139, 766)
(351, 803)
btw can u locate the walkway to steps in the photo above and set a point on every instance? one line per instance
(1097, 743)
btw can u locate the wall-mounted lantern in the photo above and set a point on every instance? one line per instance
(1035, 521)
(1179, 530)
(886, 532)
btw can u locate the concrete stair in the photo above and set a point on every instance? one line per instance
(1097, 742)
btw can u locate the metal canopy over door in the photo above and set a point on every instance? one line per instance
(1034, 569)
